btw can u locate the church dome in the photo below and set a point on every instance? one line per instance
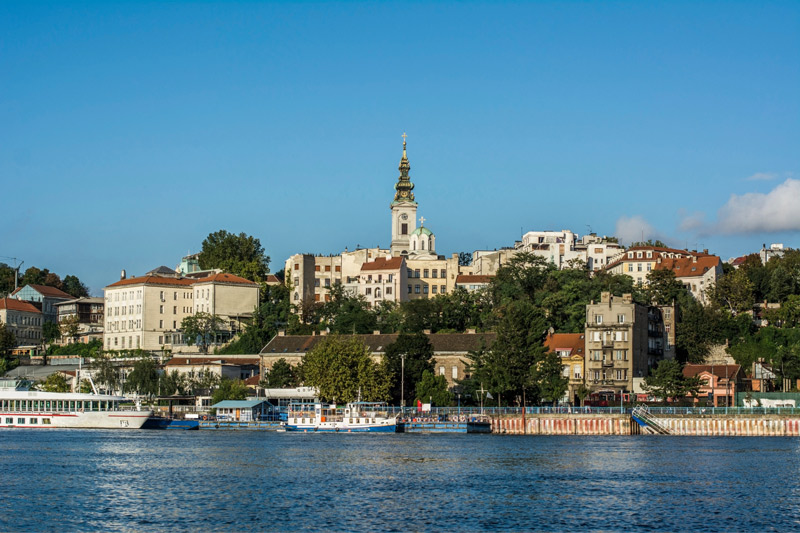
(422, 230)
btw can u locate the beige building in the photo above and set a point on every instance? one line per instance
(449, 349)
(22, 319)
(571, 348)
(89, 313)
(146, 312)
(696, 270)
(624, 340)
(383, 280)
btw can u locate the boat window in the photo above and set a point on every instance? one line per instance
(20, 420)
(34, 420)
(46, 421)
(72, 405)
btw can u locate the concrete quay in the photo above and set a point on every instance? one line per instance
(622, 424)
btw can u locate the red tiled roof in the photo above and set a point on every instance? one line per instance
(687, 267)
(739, 261)
(721, 371)
(153, 280)
(272, 278)
(46, 290)
(225, 278)
(470, 278)
(13, 304)
(382, 263)
(574, 342)
(253, 381)
(657, 252)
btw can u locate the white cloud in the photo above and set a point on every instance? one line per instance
(777, 210)
(691, 221)
(634, 229)
(762, 176)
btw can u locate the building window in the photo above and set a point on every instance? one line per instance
(597, 355)
(442, 274)
(368, 291)
(454, 372)
(443, 289)
(327, 283)
(576, 371)
(416, 289)
(160, 324)
(619, 355)
(621, 319)
(433, 288)
(338, 268)
(416, 272)
(425, 273)
(316, 268)
(404, 229)
(316, 282)
(297, 266)
(638, 267)
(434, 272)
(174, 309)
(409, 289)
(425, 289)
(388, 290)
(441, 371)
(598, 319)
(161, 309)
(390, 277)
(327, 268)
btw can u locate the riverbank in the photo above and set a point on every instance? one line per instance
(733, 425)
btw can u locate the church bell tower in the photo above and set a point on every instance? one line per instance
(404, 208)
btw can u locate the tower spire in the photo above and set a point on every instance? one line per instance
(403, 187)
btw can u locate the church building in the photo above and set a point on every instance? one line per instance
(424, 273)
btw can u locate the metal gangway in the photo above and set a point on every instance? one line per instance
(641, 414)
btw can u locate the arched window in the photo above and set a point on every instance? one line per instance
(296, 297)
(422, 243)
(414, 244)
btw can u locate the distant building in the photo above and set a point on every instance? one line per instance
(774, 250)
(720, 383)
(449, 349)
(44, 298)
(24, 320)
(383, 280)
(696, 270)
(472, 283)
(624, 340)
(571, 348)
(90, 314)
(146, 312)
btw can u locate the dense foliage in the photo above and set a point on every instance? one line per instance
(36, 276)
(241, 255)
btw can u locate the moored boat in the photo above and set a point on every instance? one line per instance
(21, 407)
(355, 417)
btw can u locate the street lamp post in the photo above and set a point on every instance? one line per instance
(402, 381)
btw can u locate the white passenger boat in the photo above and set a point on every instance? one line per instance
(21, 407)
(372, 417)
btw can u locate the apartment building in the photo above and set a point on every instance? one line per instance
(23, 319)
(90, 315)
(624, 340)
(383, 280)
(146, 312)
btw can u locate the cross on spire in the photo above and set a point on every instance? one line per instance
(404, 137)
(421, 221)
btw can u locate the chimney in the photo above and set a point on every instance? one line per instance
(694, 259)
(705, 251)
(426, 331)
(123, 275)
(471, 331)
(281, 333)
(376, 332)
(323, 333)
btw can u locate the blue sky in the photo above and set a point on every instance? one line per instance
(130, 131)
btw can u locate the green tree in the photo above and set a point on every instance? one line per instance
(345, 313)
(241, 255)
(55, 382)
(408, 358)
(105, 373)
(341, 366)
(75, 287)
(433, 388)
(50, 332)
(663, 288)
(549, 378)
(70, 326)
(582, 392)
(201, 329)
(667, 381)
(282, 375)
(464, 259)
(174, 383)
(203, 382)
(7, 340)
(734, 292)
(144, 378)
(506, 368)
(229, 389)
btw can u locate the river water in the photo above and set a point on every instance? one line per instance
(87, 480)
